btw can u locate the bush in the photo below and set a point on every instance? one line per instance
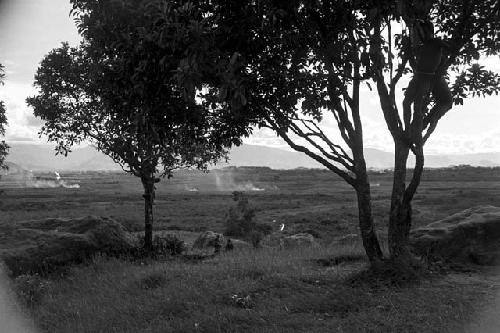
(162, 245)
(255, 238)
(168, 244)
(239, 219)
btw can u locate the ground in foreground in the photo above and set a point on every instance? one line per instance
(268, 290)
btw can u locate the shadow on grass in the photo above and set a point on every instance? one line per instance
(390, 273)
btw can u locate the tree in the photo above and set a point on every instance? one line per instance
(471, 29)
(123, 92)
(4, 148)
(298, 62)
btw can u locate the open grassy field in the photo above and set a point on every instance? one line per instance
(258, 291)
(193, 201)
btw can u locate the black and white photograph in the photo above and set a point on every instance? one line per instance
(260, 166)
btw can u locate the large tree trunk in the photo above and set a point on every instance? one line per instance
(400, 214)
(366, 224)
(400, 218)
(149, 195)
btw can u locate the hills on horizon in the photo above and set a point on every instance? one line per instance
(42, 158)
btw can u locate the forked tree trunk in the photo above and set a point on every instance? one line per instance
(401, 209)
(149, 195)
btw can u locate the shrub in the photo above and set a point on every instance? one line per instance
(240, 222)
(162, 245)
(255, 238)
(239, 219)
(168, 244)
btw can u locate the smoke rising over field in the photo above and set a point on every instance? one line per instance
(47, 183)
(26, 179)
(226, 181)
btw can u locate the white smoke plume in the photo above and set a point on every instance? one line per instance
(224, 181)
(49, 183)
(190, 189)
(27, 179)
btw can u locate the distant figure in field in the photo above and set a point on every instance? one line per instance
(429, 56)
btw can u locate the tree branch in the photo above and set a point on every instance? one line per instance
(282, 133)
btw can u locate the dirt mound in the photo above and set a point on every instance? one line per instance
(51, 243)
(472, 235)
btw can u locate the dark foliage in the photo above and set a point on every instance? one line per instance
(4, 148)
(163, 246)
(239, 221)
(127, 89)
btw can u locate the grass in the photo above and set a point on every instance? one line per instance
(309, 290)
(257, 291)
(302, 199)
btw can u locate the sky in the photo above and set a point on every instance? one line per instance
(29, 29)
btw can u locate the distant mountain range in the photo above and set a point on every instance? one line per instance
(43, 158)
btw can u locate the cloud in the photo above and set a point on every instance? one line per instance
(471, 127)
(457, 143)
(14, 139)
(22, 125)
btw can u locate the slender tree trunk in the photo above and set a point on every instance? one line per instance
(400, 214)
(363, 192)
(362, 184)
(366, 224)
(149, 196)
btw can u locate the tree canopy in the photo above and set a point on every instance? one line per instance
(124, 90)
(220, 66)
(302, 60)
(471, 30)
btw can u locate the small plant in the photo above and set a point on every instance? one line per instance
(255, 238)
(240, 221)
(168, 244)
(241, 301)
(30, 289)
(162, 245)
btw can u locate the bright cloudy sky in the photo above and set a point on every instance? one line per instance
(29, 29)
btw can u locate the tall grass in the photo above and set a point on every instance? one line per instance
(266, 290)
